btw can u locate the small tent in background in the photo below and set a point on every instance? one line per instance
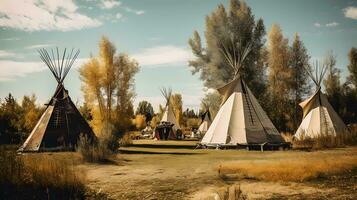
(240, 119)
(319, 118)
(61, 124)
(206, 121)
(168, 126)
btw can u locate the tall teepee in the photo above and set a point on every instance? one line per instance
(169, 115)
(61, 124)
(206, 120)
(319, 118)
(240, 120)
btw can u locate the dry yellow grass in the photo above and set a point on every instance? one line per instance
(39, 176)
(296, 169)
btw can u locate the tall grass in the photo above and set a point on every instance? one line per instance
(38, 177)
(97, 151)
(296, 170)
(348, 138)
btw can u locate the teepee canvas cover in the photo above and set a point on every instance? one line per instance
(206, 122)
(240, 120)
(61, 124)
(319, 118)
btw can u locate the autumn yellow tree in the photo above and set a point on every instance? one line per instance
(108, 87)
(279, 77)
(176, 103)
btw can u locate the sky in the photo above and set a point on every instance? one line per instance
(155, 33)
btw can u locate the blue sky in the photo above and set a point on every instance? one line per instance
(155, 32)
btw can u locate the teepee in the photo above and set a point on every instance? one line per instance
(319, 118)
(240, 119)
(206, 120)
(168, 126)
(61, 124)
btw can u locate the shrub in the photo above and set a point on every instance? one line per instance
(126, 140)
(38, 177)
(97, 151)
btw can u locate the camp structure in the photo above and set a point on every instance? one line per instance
(168, 126)
(61, 123)
(206, 121)
(240, 121)
(319, 118)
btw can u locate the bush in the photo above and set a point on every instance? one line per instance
(126, 140)
(97, 151)
(38, 177)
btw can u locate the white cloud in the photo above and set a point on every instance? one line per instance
(11, 39)
(350, 12)
(137, 12)
(109, 4)
(163, 55)
(317, 24)
(10, 69)
(332, 24)
(6, 54)
(37, 46)
(36, 15)
(118, 16)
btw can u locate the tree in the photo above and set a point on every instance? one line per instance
(235, 27)
(301, 87)
(10, 116)
(279, 78)
(108, 87)
(212, 100)
(146, 109)
(140, 121)
(176, 103)
(30, 113)
(332, 81)
(352, 67)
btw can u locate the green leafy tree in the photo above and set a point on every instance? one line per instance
(235, 27)
(352, 66)
(301, 87)
(144, 108)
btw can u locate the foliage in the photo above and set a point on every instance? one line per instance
(301, 87)
(18, 120)
(176, 103)
(279, 78)
(352, 66)
(145, 108)
(94, 151)
(126, 140)
(155, 121)
(108, 84)
(140, 122)
(38, 177)
(212, 100)
(235, 26)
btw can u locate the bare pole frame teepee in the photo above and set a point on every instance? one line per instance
(58, 64)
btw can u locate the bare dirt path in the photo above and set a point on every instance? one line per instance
(187, 174)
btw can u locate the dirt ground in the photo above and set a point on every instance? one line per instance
(162, 170)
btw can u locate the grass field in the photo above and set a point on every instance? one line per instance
(156, 170)
(174, 170)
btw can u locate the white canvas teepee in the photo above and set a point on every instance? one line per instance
(206, 121)
(169, 115)
(240, 120)
(319, 118)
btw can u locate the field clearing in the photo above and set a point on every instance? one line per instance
(155, 170)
